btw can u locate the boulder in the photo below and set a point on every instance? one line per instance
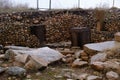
(45, 53)
(16, 71)
(79, 63)
(40, 57)
(117, 36)
(98, 57)
(94, 48)
(112, 75)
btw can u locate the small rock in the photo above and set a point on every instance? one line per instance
(68, 55)
(78, 63)
(67, 70)
(82, 76)
(97, 65)
(58, 76)
(70, 79)
(74, 76)
(4, 65)
(85, 58)
(67, 75)
(112, 75)
(117, 36)
(2, 69)
(83, 53)
(77, 54)
(92, 77)
(28, 76)
(2, 56)
(1, 62)
(1, 47)
(38, 74)
(16, 71)
(98, 57)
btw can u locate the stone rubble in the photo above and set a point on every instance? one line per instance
(101, 65)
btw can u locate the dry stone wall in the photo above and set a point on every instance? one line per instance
(15, 27)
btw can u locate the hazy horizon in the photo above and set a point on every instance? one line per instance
(65, 4)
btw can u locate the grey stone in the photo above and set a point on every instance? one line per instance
(92, 77)
(17, 48)
(2, 69)
(98, 57)
(112, 75)
(16, 71)
(94, 48)
(45, 53)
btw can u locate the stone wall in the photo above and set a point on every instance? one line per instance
(15, 27)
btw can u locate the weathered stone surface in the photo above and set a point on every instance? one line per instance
(97, 65)
(23, 58)
(40, 57)
(93, 48)
(16, 71)
(45, 53)
(98, 57)
(117, 36)
(79, 63)
(92, 77)
(33, 65)
(112, 75)
(19, 64)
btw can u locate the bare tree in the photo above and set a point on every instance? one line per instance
(5, 4)
(113, 3)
